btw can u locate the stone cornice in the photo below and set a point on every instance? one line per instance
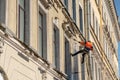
(113, 14)
(29, 52)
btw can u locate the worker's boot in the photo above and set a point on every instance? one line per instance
(82, 60)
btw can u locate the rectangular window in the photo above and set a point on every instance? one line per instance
(99, 72)
(93, 20)
(41, 34)
(97, 28)
(2, 11)
(68, 67)
(66, 4)
(99, 33)
(96, 71)
(89, 16)
(21, 20)
(92, 67)
(56, 56)
(24, 21)
(82, 71)
(74, 9)
(81, 19)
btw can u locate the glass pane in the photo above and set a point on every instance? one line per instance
(40, 34)
(40, 19)
(40, 42)
(21, 25)
(66, 3)
(21, 3)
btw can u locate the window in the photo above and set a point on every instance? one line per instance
(2, 10)
(96, 71)
(89, 17)
(81, 19)
(74, 9)
(92, 66)
(93, 20)
(82, 71)
(68, 67)
(66, 4)
(97, 29)
(99, 74)
(42, 34)
(56, 55)
(99, 33)
(21, 20)
(24, 20)
(99, 3)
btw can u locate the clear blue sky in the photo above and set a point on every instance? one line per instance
(117, 4)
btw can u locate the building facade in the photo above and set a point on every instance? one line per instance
(37, 39)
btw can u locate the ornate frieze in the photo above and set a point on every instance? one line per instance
(47, 3)
(67, 27)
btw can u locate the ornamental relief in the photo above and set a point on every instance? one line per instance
(68, 29)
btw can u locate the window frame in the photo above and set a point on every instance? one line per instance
(74, 9)
(3, 11)
(56, 47)
(19, 26)
(44, 11)
(81, 19)
(40, 30)
(25, 30)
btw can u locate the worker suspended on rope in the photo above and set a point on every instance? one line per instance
(87, 47)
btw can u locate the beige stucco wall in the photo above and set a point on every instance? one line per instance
(34, 24)
(12, 15)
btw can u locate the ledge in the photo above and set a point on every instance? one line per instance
(29, 52)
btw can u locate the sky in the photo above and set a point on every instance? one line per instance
(117, 4)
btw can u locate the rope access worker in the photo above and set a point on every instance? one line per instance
(87, 47)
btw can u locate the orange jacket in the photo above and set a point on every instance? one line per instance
(87, 44)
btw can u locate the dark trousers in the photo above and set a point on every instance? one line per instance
(84, 52)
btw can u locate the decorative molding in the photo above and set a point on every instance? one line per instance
(67, 27)
(43, 72)
(47, 3)
(106, 62)
(58, 3)
(31, 54)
